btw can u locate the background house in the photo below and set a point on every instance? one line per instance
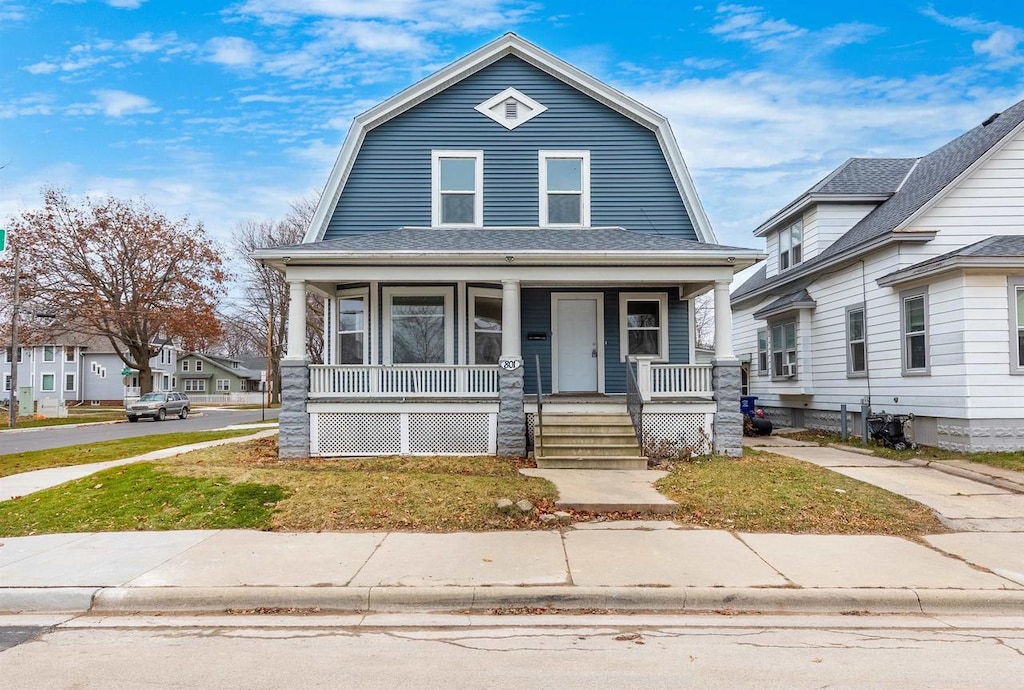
(507, 231)
(899, 283)
(204, 376)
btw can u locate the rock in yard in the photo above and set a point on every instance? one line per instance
(524, 506)
(548, 519)
(504, 505)
(563, 517)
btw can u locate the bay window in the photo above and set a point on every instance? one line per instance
(783, 342)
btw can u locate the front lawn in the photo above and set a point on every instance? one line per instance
(431, 494)
(76, 415)
(761, 492)
(103, 451)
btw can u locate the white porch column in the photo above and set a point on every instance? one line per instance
(296, 320)
(510, 320)
(723, 321)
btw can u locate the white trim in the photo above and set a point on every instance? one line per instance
(556, 297)
(477, 156)
(584, 156)
(341, 295)
(374, 344)
(424, 291)
(463, 320)
(691, 314)
(470, 322)
(487, 108)
(662, 299)
(509, 44)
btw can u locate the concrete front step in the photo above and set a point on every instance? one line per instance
(577, 462)
(550, 430)
(584, 450)
(623, 438)
(578, 419)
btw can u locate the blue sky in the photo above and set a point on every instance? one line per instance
(228, 111)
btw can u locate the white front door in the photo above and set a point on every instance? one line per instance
(578, 344)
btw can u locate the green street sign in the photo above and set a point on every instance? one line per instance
(3, 240)
(126, 372)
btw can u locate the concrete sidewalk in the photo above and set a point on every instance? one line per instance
(629, 566)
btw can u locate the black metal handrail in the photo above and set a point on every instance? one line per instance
(634, 402)
(538, 441)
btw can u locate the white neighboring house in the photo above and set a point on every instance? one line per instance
(899, 282)
(80, 369)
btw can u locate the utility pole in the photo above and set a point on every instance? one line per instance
(14, 343)
(270, 355)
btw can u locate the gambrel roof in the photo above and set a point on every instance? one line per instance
(509, 45)
(929, 178)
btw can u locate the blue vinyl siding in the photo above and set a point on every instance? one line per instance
(631, 184)
(536, 318)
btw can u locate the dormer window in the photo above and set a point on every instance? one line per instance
(458, 188)
(791, 245)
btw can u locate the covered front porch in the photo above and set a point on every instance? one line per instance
(455, 352)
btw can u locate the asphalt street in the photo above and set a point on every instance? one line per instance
(610, 651)
(60, 437)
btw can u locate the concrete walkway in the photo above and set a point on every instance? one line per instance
(29, 482)
(963, 504)
(608, 565)
(607, 491)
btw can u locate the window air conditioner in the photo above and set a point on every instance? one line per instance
(789, 370)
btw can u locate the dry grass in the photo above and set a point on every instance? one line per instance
(761, 492)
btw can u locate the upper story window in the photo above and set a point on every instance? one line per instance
(565, 188)
(184, 365)
(458, 188)
(199, 365)
(69, 353)
(791, 245)
(49, 353)
(914, 327)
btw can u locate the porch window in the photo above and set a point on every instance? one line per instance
(914, 321)
(485, 317)
(418, 325)
(49, 353)
(762, 352)
(48, 383)
(69, 382)
(352, 320)
(791, 244)
(1016, 325)
(458, 187)
(856, 342)
(565, 188)
(783, 344)
(643, 317)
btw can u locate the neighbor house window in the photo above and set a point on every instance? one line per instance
(223, 385)
(49, 353)
(418, 325)
(856, 342)
(69, 353)
(195, 385)
(791, 245)
(1017, 325)
(762, 352)
(21, 355)
(48, 383)
(69, 382)
(7, 382)
(184, 365)
(485, 319)
(643, 321)
(783, 342)
(565, 188)
(199, 365)
(458, 187)
(352, 327)
(914, 327)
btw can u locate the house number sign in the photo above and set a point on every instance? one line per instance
(510, 364)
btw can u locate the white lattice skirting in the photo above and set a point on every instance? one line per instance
(686, 430)
(405, 433)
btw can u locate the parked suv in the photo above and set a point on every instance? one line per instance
(157, 406)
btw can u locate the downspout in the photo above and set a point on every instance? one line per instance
(864, 299)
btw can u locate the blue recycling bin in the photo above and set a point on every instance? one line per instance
(747, 404)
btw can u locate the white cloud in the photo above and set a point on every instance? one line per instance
(231, 51)
(115, 103)
(125, 4)
(12, 12)
(752, 25)
(265, 98)
(1001, 44)
(42, 68)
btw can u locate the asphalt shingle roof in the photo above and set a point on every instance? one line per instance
(929, 176)
(865, 176)
(798, 298)
(609, 239)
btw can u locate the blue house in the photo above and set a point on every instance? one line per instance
(509, 251)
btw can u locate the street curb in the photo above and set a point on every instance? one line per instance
(442, 599)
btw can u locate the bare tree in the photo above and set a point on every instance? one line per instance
(118, 269)
(265, 299)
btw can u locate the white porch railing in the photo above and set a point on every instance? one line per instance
(403, 380)
(673, 380)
